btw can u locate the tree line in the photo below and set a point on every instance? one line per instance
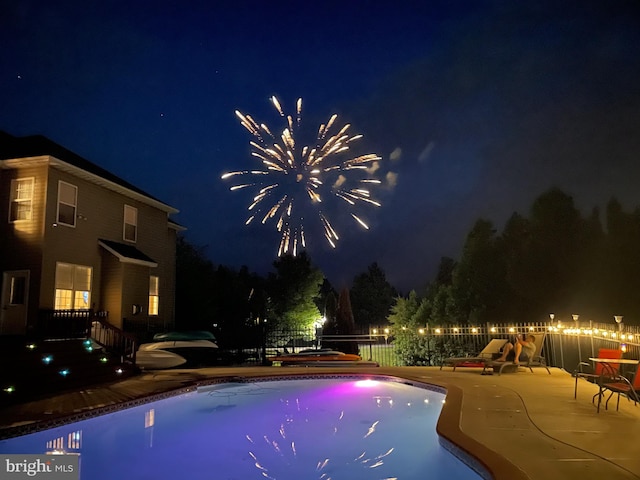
(295, 295)
(554, 260)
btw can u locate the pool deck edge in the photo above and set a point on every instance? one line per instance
(517, 426)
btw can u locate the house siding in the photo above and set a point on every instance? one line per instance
(112, 277)
(39, 244)
(23, 239)
(100, 215)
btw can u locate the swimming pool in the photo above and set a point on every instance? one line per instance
(314, 428)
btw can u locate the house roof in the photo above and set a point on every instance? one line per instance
(37, 146)
(127, 253)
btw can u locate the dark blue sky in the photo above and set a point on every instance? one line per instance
(477, 107)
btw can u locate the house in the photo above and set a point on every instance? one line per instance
(76, 238)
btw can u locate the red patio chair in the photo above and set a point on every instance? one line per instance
(598, 370)
(621, 385)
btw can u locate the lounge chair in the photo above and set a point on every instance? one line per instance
(596, 371)
(536, 361)
(620, 385)
(488, 353)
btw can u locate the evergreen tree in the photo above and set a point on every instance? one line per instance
(371, 297)
(478, 279)
(195, 283)
(344, 321)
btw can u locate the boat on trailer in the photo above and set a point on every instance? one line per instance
(321, 357)
(173, 349)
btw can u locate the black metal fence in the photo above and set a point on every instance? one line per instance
(565, 344)
(143, 329)
(369, 344)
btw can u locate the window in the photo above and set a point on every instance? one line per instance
(154, 298)
(130, 231)
(73, 287)
(21, 199)
(67, 202)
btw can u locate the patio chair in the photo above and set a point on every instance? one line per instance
(488, 353)
(621, 385)
(537, 360)
(596, 371)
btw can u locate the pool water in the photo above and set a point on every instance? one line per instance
(284, 430)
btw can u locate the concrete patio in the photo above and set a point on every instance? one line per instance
(521, 426)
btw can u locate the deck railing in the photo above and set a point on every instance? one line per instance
(114, 339)
(68, 324)
(62, 324)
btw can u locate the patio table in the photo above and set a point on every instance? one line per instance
(609, 371)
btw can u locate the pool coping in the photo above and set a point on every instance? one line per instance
(485, 462)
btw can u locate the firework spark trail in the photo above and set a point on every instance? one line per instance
(309, 173)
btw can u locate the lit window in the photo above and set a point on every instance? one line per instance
(73, 287)
(21, 199)
(63, 299)
(67, 203)
(154, 298)
(130, 231)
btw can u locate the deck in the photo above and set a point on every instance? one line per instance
(523, 425)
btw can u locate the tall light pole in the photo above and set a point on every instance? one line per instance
(618, 319)
(551, 317)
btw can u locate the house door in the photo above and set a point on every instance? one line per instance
(15, 292)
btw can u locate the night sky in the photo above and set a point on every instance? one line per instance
(477, 107)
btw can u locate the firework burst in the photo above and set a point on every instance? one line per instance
(294, 178)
